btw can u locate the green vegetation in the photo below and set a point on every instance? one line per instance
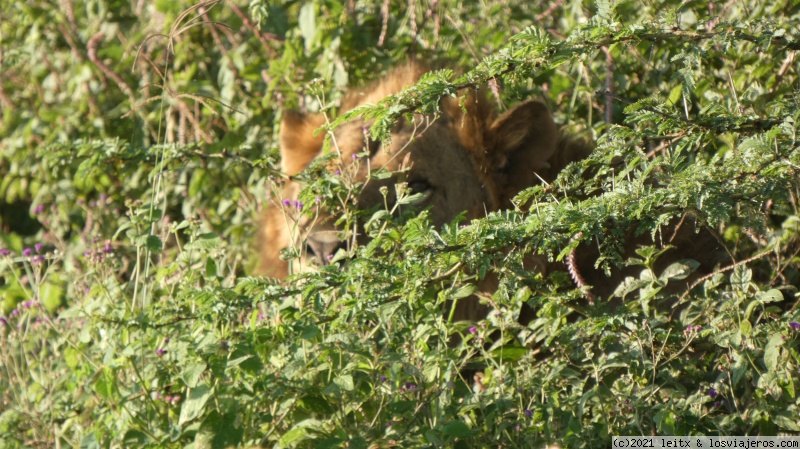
(139, 142)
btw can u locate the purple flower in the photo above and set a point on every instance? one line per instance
(691, 329)
(383, 378)
(38, 209)
(4, 252)
(26, 252)
(3, 321)
(38, 247)
(712, 392)
(355, 156)
(794, 325)
(161, 351)
(528, 413)
(287, 202)
(337, 172)
(298, 205)
(473, 329)
(409, 386)
(318, 199)
(37, 259)
(166, 340)
(329, 257)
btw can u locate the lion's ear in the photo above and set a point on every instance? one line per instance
(522, 141)
(299, 145)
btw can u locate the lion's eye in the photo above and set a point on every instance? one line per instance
(419, 186)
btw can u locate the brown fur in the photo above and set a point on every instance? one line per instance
(473, 161)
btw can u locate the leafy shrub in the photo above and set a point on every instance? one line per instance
(139, 144)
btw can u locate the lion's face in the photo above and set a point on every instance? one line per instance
(466, 160)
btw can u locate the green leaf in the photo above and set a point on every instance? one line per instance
(72, 357)
(153, 244)
(211, 267)
(194, 404)
(745, 328)
(192, 373)
(675, 94)
(629, 285)
(679, 270)
(220, 431)
(772, 352)
(345, 382)
(52, 294)
(105, 385)
(208, 241)
(456, 429)
(135, 438)
(301, 431)
(307, 24)
(463, 291)
(787, 420)
(310, 332)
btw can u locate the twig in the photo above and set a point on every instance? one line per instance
(91, 53)
(722, 270)
(548, 11)
(385, 26)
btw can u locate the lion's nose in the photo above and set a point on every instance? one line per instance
(323, 245)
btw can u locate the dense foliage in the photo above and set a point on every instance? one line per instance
(139, 142)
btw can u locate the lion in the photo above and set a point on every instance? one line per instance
(468, 160)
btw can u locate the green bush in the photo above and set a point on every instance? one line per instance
(139, 142)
